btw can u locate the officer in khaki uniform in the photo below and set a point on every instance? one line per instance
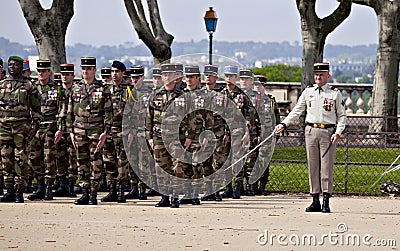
(325, 122)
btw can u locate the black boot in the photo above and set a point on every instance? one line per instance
(210, 195)
(325, 203)
(142, 192)
(195, 197)
(84, 199)
(262, 188)
(62, 190)
(112, 196)
(187, 197)
(1, 185)
(175, 200)
(56, 184)
(228, 191)
(93, 197)
(103, 183)
(250, 189)
(40, 191)
(218, 196)
(28, 187)
(154, 188)
(134, 193)
(10, 194)
(315, 205)
(78, 189)
(71, 191)
(164, 202)
(236, 191)
(49, 192)
(121, 194)
(19, 194)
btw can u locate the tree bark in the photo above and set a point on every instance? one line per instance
(386, 73)
(155, 37)
(314, 32)
(49, 28)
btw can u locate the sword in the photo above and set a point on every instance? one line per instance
(327, 149)
(388, 170)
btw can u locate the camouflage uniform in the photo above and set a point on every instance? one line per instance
(89, 114)
(19, 110)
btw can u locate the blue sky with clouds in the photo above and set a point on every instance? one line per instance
(106, 22)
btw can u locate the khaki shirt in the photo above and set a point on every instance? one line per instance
(324, 106)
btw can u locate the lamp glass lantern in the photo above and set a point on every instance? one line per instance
(210, 20)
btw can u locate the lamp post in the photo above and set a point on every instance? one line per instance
(210, 20)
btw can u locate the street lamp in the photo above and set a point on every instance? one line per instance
(211, 25)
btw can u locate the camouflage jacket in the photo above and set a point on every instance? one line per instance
(215, 99)
(49, 95)
(90, 106)
(19, 102)
(166, 110)
(267, 110)
(63, 107)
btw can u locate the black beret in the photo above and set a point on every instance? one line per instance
(119, 65)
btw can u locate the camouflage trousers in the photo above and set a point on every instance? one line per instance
(43, 152)
(236, 170)
(116, 163)
(90, 162)
(66, 158)
(14, 157)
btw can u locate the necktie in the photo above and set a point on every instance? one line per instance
(319, 89)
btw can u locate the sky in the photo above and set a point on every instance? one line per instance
(106, 22)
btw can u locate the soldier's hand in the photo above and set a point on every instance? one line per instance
(245, 140)
(72, 136)
(279, 128)
(335, 137)
(102, 139)
(31, 134)
(58, 136)
(151, 144)
(187, 143)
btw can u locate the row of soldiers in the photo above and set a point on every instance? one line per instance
(78, 129)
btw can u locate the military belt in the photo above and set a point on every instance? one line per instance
(88, 120)
(14, 114)
(322, 126)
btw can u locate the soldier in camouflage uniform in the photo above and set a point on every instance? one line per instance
(19, 121)
(246, 81)
(160, 126)
(237, 135)
(2, 76)
(43, 151)
(89, 120)
(67, 170)
(105, 73)
(268, 113)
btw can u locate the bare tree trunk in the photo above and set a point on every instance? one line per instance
(49, 28)
(155, 37)
(314, 32)
(385, 85)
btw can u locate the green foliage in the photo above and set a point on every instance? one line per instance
(280, 73)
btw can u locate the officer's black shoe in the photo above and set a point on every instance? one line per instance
(315, 205)
(49, 192)
(175, 203)
(9, 196)
(84, 199)
(142, 192)
(208, 197)
(134, 193)
(164, 202)
(218, 196)
(121, 194)
(103, 183)
(1, 185)
(78, 189)
(93, 197)
(196, 201)
(112, 196)
(186, 199)
(62, 190)
(71, 191)
(228, 191)
(39, 193)
(236, 192)
(325, 203)
(250, 189)
(242, 190)
(19, 195)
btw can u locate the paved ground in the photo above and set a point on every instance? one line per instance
(252, 223)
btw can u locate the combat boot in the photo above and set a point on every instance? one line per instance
(56, 184)
(164, 202)
(175, 201)
(325, 203)
(228, 191)
(93, 197)
(71, 191)
(49, 192)
(142, 192)
(19, 194)
(218, 196)
(195, 197)
(154, 188)
(40, 191)
(187, 196)
(28, 187)
(315, 205)
(9, 196)
(1, 185)
(210, 195)
(134, 193)
(84, 199)
(103, 183)
(250, 189)
(236, 191)
(112, 196)
(62, 190)
(121, 194)
(262, 188)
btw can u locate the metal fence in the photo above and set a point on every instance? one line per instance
(361, 157)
